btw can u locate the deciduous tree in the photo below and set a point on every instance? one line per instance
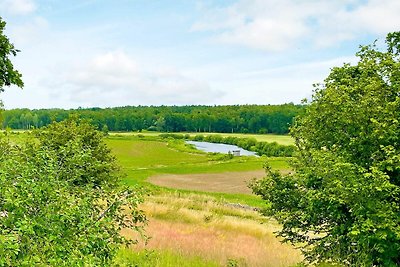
(342, 204)
(8, 75)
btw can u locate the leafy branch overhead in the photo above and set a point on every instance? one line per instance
(8, 75)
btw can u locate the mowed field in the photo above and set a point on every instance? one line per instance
(199, 208)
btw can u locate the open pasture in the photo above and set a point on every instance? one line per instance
(195, 216)
(142, 153)
(174, 165)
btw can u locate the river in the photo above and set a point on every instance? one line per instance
(220, 148)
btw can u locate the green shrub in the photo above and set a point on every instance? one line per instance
(342, 203)
(60, 199)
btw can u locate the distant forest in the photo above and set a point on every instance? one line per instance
(222, 119)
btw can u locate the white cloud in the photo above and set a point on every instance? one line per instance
(18, 7)
(115, 79)
(106, 80)
(276, 85)
(70, 66)
(278, 24)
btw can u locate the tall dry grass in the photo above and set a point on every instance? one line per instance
(195, 225)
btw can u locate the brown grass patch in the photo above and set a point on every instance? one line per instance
(213, 243)
(201, 226)
(227, 182)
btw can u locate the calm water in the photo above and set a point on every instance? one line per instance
(220, 148)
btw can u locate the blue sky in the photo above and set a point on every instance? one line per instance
(135, 52)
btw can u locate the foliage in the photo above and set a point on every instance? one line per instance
(60, 202)
(8, 75)
(68, 137)
(342, 202)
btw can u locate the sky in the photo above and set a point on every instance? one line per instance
(103, 53)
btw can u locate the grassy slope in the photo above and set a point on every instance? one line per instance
(141, 158)
(160, 258)
(189, 228)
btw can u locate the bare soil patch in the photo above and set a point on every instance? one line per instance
(227, 182)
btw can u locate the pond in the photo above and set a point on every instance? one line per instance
(220, 148)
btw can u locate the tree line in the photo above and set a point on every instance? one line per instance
(223, 119)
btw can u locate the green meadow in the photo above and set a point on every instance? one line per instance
(142, 157)
(189, 227)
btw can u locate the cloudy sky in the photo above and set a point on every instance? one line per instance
(103, 53)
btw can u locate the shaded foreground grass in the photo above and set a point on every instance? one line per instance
(159, 258)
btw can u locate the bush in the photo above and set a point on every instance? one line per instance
(60, 199)
(198, 137)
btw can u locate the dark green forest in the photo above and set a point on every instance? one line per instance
(223, 119)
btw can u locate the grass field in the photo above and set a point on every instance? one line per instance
(210, 224)
(193, 215)
(208, 231)
(144, 157)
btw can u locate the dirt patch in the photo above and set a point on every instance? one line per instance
(227, 182)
